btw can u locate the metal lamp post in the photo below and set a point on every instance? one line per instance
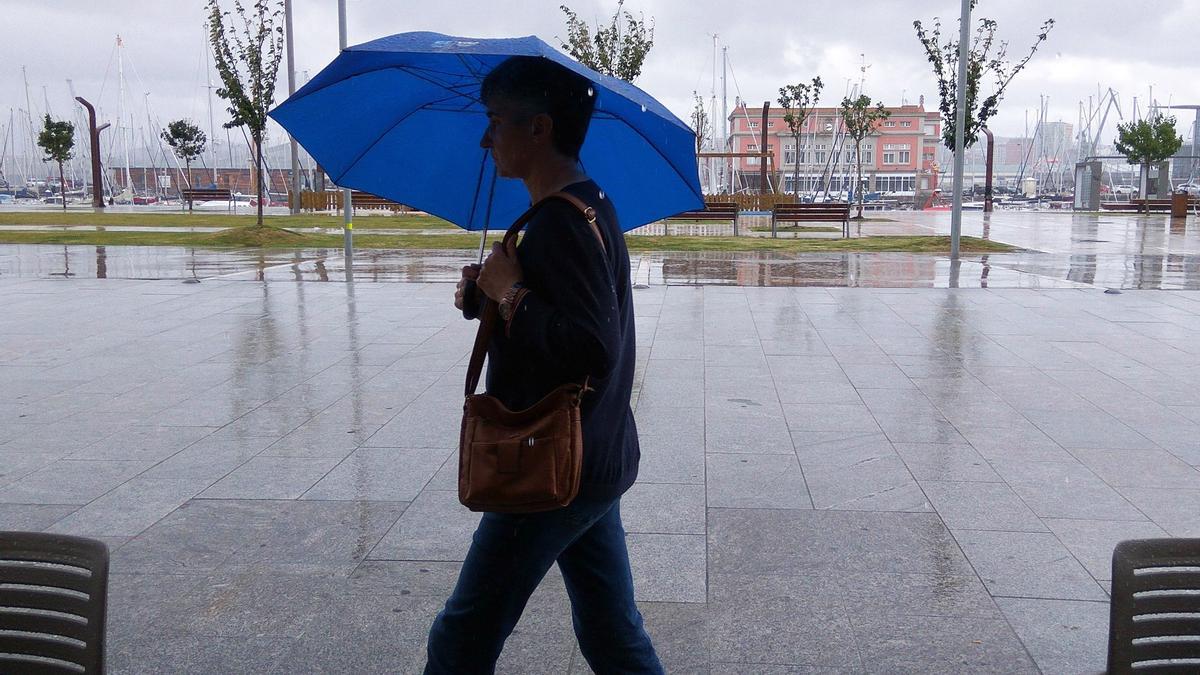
(291, 68)
(960, 121)
(347, 206)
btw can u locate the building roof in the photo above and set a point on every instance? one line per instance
(910, 109)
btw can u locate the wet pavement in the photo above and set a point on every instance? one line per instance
(1061, 250)
(833, 479)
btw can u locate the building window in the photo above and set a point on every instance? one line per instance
(770, 124)
(931, 130)
(905, 158)
(789, 153)
(905, 123)
(866, 153)
(819, 152)
(889, 157)
(753, 124)
(889, 123)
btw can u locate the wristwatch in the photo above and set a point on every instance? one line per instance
(509, 300)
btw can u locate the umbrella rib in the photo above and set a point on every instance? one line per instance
(415, 71)
(369, 147)
(660, 154)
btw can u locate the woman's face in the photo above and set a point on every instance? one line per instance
(510, 137)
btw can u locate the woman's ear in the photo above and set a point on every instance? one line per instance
(543, 128)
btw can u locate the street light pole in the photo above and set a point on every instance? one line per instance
(960, 122)
(347, 207)
(291, 68)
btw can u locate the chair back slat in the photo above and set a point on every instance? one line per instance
(66, 624)
(1149, 626)
(1154, 621)
(36, 573)
(53, 599)
(46, 646)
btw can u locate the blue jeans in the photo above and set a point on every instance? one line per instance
(509, 555)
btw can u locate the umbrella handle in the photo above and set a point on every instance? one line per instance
(471, 308)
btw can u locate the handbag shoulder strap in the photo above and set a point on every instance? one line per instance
(490, 314)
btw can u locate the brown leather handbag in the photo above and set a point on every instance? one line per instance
(521, 461)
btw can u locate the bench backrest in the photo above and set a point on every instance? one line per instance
(205, 192)
(834, 207)
(721, 207)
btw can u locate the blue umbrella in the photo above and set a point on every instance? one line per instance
(400, 117)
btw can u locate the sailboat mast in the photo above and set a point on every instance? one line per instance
(212, 136)
(121, 113)
(29, 162)
(725, 172)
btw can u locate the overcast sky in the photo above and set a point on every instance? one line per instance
(1128, 45)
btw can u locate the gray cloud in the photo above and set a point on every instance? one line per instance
(1129, 46)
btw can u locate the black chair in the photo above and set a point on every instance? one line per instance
(1154, 625)
(53, 591)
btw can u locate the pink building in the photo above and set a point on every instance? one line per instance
(899, 156)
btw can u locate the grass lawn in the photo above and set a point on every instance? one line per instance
(210, 219)
(272, 237)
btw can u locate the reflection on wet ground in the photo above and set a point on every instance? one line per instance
(879, 270)
(1064, 250)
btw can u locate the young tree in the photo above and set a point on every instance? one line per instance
(982, 61)
(57, 139)
(618, 49)
(187, 141)
(699, 120)
(248, 64)
(1148, 141)
(798, 102)
(860, 118)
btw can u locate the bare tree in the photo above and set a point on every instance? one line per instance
(860, 117)
(248, 63)
(987, 56)
(798, 101)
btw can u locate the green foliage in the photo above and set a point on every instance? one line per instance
(618, 49)
(699, 120)
(798, 101)
(57, 139)
(248, 63)
(185, 139)
(987, 57)
(1148, 141)
(860, 117)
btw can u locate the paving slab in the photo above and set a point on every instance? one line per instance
(832, 479)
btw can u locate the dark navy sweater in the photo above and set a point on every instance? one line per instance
(575, 321)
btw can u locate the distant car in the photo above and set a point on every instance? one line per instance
(6, 199)
(141, 200)
(1124, 190)
(1190, 188)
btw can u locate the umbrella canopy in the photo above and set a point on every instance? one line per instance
(400, 117)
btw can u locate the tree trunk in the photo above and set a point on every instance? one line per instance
(258, 161)
(62, 186)
(796, 167)
(858, 188)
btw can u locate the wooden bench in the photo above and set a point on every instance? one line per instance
(205, 195)
(727, 211)
(807, 213)
(1139, 205)
(366, 200)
